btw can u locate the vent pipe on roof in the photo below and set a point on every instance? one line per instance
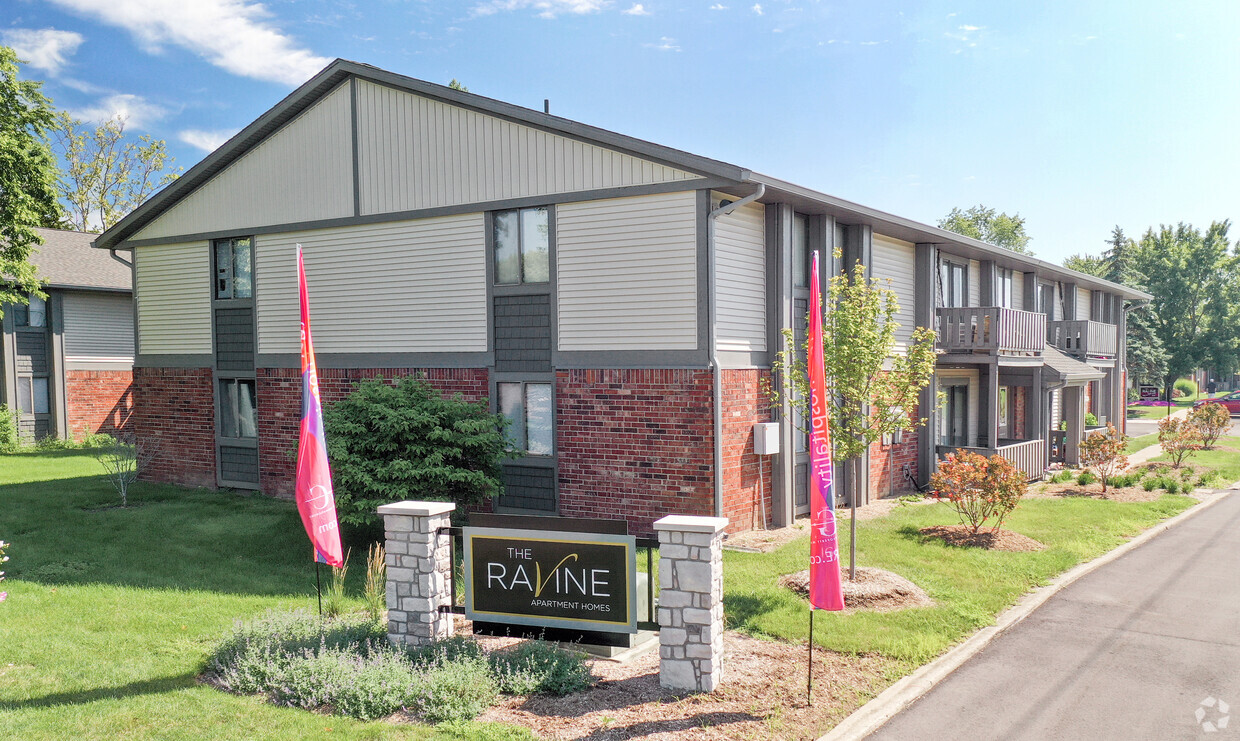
(546, 105)
(725, 208)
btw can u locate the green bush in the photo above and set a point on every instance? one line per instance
(1086, 478)
(1208, 478)
(1186, 386)
(1171, 485)
(453, 691)
(537, 667)
(1151, 484)
(1062, 477)
(456, 648)
(1091, 420)
(393, 441)
(10, 437)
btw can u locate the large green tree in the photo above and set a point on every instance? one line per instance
(999, 229)
(27, 178)
(106, 176)
(1193, 277)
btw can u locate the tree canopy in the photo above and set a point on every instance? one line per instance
(999, 229)
(27, 178)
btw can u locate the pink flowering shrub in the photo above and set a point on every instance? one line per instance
(980, 488)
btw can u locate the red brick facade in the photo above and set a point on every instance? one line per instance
(1019, 404)
(635, 444)
(887, 464)
(746, 475)
(279, 409)
(99, 401)
(174, 413)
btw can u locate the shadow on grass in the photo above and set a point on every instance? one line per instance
(133, 689)
(740, 609)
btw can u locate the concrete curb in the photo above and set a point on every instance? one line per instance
(869, 717)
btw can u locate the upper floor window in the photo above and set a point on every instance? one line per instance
(1005, 288)
(522, 246)
(33, 314)
(800, 251)
(234, 268)
(954, 279)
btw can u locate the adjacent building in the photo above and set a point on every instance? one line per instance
(620, 301)
(66, 362)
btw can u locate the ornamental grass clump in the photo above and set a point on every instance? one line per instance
(374, 593)
(980, 488)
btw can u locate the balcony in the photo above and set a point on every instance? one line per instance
(1084, 339)
(991, 330)
(1027, 455)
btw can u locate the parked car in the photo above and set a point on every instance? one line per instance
(1231, 401)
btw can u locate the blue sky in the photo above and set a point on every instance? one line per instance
(1077, 115)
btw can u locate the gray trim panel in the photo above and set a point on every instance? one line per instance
(630, 359)
(379, 360)
(202, 360)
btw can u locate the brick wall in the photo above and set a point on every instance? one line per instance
(99, 401)
(174, 413)
(746, 476)
(634, 443)
(887, 462)
(279, 409)
(1019, 419)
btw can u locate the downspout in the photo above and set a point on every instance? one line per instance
(713, 314)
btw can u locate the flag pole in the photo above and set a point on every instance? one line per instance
(809, 674)
(318, 586)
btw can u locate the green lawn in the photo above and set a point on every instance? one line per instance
(1141, 443)
(111, 612)
(1143, 412)
(1225, 459)
(971, 586)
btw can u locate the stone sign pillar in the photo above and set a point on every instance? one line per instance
(419, 562)
(691, 602)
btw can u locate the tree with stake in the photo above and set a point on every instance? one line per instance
(872, 387)
(1104, 453)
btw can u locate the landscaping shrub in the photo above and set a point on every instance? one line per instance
(537, 667)
(1212, 420)
(1091, 419)
(1062, 477)
(1085, 478)
(979, 488)
(1151, 484)
(394, 441)
(1208, 478)
(451, 649)
(1186, 386)
(1179, 439)
(453, 690)
(1103, 452)
(1171, 485)
(10, 436)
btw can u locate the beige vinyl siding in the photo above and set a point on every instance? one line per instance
(303, 172)
(1084, 298)
(627, 273)
(954, 377)
(415, 153)
(402, 286)
(1057, 313)
(740, 245)
(98, 325)
(173, 283)
(896, 260)
(1018, 290)
(975, 283)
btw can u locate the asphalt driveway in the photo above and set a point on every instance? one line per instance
(1130, 651)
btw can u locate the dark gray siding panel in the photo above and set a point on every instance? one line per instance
(522, 333)
(234, 338)
(528, 487)
(239, 464)
(32, 352)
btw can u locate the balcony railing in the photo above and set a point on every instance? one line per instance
(1083, 338)
(991, 329)
(1027, 455)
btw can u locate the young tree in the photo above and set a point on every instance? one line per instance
(980, 487)
(1179, 438)
(1212, 420)
(106, 176)
(1104, 453)
(872, 388)
(985, 224)
(27, 179)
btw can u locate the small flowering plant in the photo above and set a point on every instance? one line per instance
(980, 488)
(3, 558)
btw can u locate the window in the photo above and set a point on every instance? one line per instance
(800, 251)
(32, 395)
(522, 246)
(234, 268)
(528, 409)
(1004, 410)
(954, 428)
(954, 279)
(238, 402)
(32, 315)
(1005, 288)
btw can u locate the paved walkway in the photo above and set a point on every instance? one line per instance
(1129, 651)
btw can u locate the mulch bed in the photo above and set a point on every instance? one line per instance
(874, 589)
(762, 697)
(991, 540)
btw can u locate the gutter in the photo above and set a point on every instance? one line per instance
(712, 306)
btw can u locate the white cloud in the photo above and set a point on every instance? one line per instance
(44, 48)
(666, 43)
(757, 8)
(234, 35)
(637, 9)
(718, 6)
(136, 110)
(970, 28)
(207, 141)
(545, 8)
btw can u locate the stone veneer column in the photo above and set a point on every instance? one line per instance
(419, 561)
(691, 602)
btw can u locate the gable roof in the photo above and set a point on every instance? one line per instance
(727, 177)
(1068, 370)
(66, 260)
